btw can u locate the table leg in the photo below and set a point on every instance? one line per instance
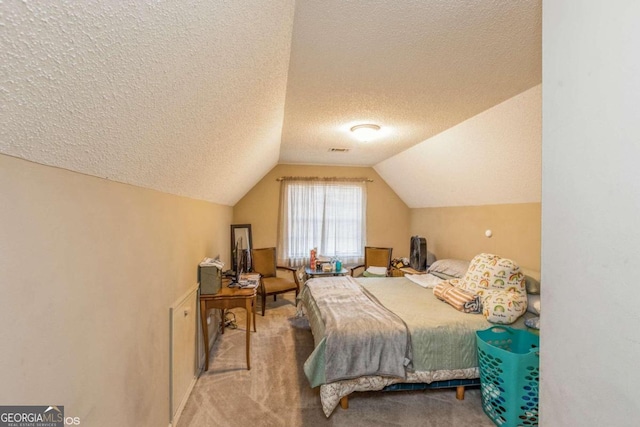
(248, 308)
(253, 307)
(205, 333)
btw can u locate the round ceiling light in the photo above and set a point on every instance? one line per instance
(365, 132)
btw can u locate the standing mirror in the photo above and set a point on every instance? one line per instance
(241, 245)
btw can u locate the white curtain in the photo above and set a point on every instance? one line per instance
(329, 215)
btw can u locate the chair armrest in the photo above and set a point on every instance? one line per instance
(292, 270)
(353, 269)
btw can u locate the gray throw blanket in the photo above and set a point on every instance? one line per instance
(362, 336)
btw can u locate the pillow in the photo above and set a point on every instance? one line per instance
(442, 275)
(532, 285)
(533, 323)
(451, 267)
(431, 258)
(500, 284)
(533, 304)
(503, 307)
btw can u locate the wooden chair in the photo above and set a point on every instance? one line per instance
(375, 257)
(264, 262)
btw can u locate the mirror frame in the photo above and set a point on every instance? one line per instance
(235, 227)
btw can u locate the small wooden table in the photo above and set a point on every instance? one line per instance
(228, 298)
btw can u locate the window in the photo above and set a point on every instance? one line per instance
(329, 215)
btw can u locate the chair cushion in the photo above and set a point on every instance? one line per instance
(278, 284)
(375, 272)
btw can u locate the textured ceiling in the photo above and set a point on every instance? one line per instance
(203, 98)
(414, 67)
(183, 98)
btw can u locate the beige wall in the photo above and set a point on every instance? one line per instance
(459, 232)
(387, 214)
(88, 271)
(451, 232)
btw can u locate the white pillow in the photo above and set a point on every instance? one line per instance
(452, 267)
(378, 271)
(533, 304)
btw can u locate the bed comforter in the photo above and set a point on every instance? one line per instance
(443, 343)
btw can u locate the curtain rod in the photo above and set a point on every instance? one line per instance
(326, 178)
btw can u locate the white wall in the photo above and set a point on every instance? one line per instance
(590, 210)
(88, 271)
(492, 158)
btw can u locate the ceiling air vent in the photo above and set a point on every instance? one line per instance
(339, 150)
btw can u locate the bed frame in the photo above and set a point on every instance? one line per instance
(458, 384)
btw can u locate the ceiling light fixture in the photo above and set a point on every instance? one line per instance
(365, 132)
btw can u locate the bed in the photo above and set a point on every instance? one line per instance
(441, 343)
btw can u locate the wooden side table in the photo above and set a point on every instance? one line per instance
(225, 299)
(400, 272)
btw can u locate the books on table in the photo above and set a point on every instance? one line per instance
(249, 281)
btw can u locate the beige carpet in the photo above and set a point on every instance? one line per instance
(275, 391)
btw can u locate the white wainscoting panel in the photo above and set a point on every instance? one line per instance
(184, 327)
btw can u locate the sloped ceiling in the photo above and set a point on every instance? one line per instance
(202, 98)
(183, 97)
(415, 68)
(494, 157)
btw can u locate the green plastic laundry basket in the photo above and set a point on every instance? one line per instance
(509, 361)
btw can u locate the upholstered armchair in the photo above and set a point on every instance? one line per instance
(265, 263)
(374, 257)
